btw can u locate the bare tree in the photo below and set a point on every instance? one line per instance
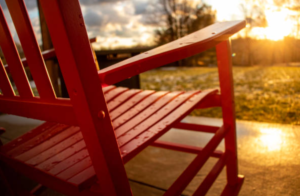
(181, 17)
(253, 11)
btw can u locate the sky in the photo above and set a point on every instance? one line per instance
(125, 23)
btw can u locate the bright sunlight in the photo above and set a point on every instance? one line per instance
(280, 25)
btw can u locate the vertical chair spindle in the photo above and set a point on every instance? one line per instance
(31, 49)
(13, 60)
(5, 85)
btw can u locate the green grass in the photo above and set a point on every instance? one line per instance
(265, 94)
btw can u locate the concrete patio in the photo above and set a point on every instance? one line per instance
(269, 157)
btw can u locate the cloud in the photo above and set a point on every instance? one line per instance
(140, 7)
(93, 18)
(30, 4)
(93, 2)
(3, 4)
(118, 23)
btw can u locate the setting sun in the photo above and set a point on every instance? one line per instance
(279, 26)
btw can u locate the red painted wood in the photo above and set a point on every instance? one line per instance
(108, 88)
(121, 99)
(182, 48)
(211, 177)
(148, 137)
(39, 139)
(49, 180)
(227, 101)
(36, 150)
(114, 93)
(5, 84)
(65, 23)
(89, 154)
(55, 149)
(185, 178)
(31, 48)
(129, 104)
(184, 148)
(65, 159)
(84, 176)
(12, 58)
(59, 110)
(196, 127)
(47, 54)
(233, 190)
(75, 169)
(27, 136)
(212, 101)
(156, 114)
(138, 109)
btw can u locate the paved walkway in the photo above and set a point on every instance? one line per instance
(269, 157)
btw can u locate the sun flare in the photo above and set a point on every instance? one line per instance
(279, 26)
(271, 138)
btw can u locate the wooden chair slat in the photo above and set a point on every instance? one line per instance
(13, 60)
(137, 108)
(28, 136)
(75, 169)
(156, 115)
(130, 103)
(121, 99)
(5, 84)
(47, 144)
(160, 127)
(37, 140)
(64, 159)
(55, 149)
(108, 88)
(31, 48)
(141, 111)
(114, 93)
(83, 176)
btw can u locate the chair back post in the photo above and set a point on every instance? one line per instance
(223, 50)
(71, 43)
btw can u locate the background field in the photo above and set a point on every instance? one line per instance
(265, 94)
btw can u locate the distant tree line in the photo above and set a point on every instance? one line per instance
(178, 18)
(266, 52)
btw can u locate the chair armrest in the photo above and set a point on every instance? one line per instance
(182, 48)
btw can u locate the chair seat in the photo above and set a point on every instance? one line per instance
(139, 117)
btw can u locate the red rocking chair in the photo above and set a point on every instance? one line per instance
(82, 147)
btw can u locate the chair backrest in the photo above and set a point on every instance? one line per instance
(45, 107)
(86, 107)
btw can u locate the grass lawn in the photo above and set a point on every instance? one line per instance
(265, 94)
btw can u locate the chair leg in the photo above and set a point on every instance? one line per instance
(227, 101)
(9, 190)
(233, 190)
